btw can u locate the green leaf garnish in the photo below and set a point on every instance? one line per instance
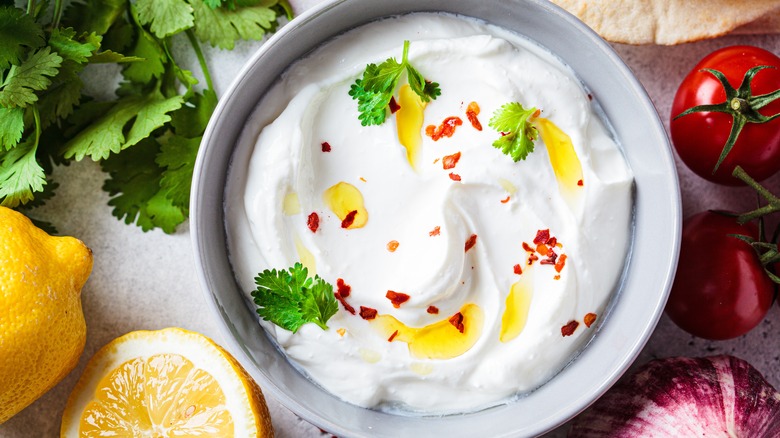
(517, 131)
(376, 87)
(290, 299)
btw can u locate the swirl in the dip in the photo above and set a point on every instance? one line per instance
(472, 277)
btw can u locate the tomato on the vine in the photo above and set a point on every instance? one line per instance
(721, 290)
(700, 137)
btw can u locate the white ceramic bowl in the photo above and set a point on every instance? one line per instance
(633, 312)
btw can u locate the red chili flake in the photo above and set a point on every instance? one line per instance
(580, 183)
(560, 263)
(552, 242)
(436, 160)
(590, 96)
(344, 303)
(433, 310)
(518, 269)
(472, 111)
(569, 328)
(536, 113)
(528, 247)
(557, 277)
(390, 339)
(393, 105)
(542, 249)
(313, 222)
(435, 232)
(454, 176)
(343, 288)
(367, 313)
(472, 240)
(532, 258)
(551, 257)
(397, 298)
(457, 321)
(449, 161)
(392, 245)
(325, 146)
(542, 236)
(348, 219)
(505, 200)
(446, 129)
(589, 319)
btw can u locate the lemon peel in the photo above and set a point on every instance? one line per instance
(42, 327)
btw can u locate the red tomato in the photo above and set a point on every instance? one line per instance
(721, 290)
(700, 137)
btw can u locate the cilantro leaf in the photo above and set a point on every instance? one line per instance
(135, 178)
(372, 106)
(119, 36)
(11, 127)
(64, 43)
(222, 28)
(177, 157)
(94, 15)
(166, 17)
(18, 33)
(290, 299)
(376, 87)
(20, 174)
(518, 133)
(191, 119)
(320, 304)
(109, 56)
(19, 87)
(153, 65)
(64, 93)
(129, 121)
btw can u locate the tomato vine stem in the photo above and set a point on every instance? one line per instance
(740, 104)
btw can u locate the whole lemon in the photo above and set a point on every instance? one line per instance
(42, 328)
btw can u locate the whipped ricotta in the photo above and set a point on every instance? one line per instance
(508, 266)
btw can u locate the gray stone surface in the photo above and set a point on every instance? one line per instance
(147, 280)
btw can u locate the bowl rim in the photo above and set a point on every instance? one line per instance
(202, 241)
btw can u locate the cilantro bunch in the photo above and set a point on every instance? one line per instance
(147, 138)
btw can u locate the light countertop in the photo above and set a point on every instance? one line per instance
(147, 280)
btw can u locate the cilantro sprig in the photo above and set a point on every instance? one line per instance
(290, 298)
(517, 132)
(376, 87)
(146, 138)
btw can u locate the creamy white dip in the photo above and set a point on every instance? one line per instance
(504, 203)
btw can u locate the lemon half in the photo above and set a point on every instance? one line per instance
(165, 383)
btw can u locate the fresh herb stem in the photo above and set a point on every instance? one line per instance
(37, 118)
(773, 202)
(58, 8)
(30, 7)
(201, 59)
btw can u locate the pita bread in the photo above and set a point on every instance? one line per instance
(666, 21)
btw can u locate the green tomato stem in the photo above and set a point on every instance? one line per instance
(773, 202)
